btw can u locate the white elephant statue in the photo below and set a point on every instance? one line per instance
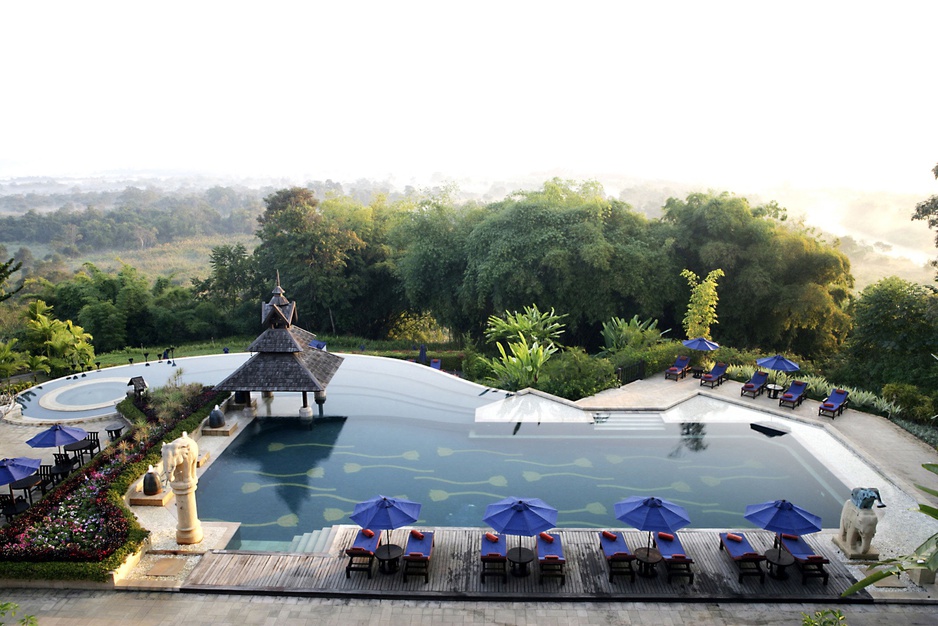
(857, 528)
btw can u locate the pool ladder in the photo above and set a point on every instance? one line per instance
(627, 420)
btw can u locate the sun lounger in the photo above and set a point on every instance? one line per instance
(810, 564)
(361, 555)
(417, 554)
(794, 395)
(756, 385)
(619, 558)
(550, 559)
(679, 369)
(714, 377)
(748, 561)
(835, 403)
(676, 561)
(494, 557)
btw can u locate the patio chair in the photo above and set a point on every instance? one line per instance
(835, 403)
(494, 557)
(436, 364)
(794, 395)
(756, 385)
(417, 554)
(93, 437)
(748, 561)
(714, 377)
(65, 459)
(679, 369)
(810, 564)
(361, 555)
(550, 559)
(46, 479)
(619, 558)
(676, 561)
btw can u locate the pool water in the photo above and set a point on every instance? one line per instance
(280, 478)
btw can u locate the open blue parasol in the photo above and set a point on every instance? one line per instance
(781, 516)
(778, 363)
(12, 470)
(651, 514)
(384, 513)
(520, 516)
(57, 436)
(704, 345)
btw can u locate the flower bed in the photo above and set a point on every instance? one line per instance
(82, 530)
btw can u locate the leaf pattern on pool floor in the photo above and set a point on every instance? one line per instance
(438, 495)
(675, 486)
(581, 462)
(252, 487)
(351, 468)
(410, 455)
(450, 452)
(533, 476)
(497, 481)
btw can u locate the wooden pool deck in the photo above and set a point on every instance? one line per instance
(455, 573)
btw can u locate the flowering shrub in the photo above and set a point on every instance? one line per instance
(84, 519)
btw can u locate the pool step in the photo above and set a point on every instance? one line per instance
(317, 541)
(627, 420)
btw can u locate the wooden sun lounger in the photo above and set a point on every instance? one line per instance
(619, 558)
(810, 564)
(746, 558)
(676, 561)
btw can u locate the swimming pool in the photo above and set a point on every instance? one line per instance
(280, 478)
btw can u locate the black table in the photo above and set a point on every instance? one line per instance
(60, 471)
(647, 559)
(389, 558)
(80, 447)
(773, 391)
(778, 561)
(26, 485)
(697, 372)
(519, 558)
(114, 431)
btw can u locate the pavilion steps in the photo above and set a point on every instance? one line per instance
(628, 420)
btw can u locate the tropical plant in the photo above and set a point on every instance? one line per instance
(702, 306)
(12, 608)
(521, 367)
(573, 374)
(11, 361)
(827, 617)
(532, 326)
(923, 557)
(619, 334)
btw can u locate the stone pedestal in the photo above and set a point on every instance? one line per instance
(179, 460)
(922, 576)
(853, 555)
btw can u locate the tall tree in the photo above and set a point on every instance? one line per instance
(702, 306)
(6, 269)
(928, 210)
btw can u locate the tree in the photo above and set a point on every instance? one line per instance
(895, 323)
(928, 210)
(6, 269)
(788, 289)
(11, 361)
(702, 307)
(310, 251)
(532, 326)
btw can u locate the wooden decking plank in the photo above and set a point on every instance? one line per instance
(455, 569)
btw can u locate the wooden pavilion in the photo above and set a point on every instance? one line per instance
(286, 358)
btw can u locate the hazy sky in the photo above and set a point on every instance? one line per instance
(737, 95)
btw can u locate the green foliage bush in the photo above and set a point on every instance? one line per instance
(573, 374)
(912, 403)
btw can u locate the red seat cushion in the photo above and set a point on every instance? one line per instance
(416, 534)
(733, 537)
(491, 537)
(828, 405)
(749, 386)
(546, 537)
(666, 536)
(368, 532)
(788, 395)
(789, 536)
(609, 535)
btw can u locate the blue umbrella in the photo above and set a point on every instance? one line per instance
(520, 516)
(384, 513)
(12, 470)
(704, 345)
(651, 514)
(778, 363)
(57, 436)
(781, 516)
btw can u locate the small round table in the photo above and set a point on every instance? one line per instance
(778, 560)
(519, 558)
(26, 485)
(773, 391)
(647, 559)
(389, 558)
